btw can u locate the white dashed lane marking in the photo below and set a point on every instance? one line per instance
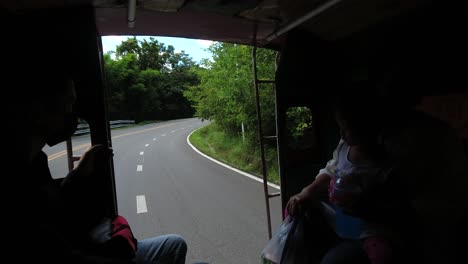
(141, 153)
(139, 167)
(141, 204)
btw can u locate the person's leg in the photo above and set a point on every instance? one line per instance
(167, 249)
(378, 250)
(346, 252)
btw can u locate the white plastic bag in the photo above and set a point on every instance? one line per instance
(273, 251)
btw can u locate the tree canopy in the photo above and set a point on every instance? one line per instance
(226, 93)
(146, 80)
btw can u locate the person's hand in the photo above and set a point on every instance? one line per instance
(294, 205)
(299, 203)
(80, 181)
(309, 196)
(88, 160)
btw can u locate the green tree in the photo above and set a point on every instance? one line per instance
(121, 74)
(129, 46)
(146, 80)
(226, 92)
(151, 54)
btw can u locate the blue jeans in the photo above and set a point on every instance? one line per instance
(167, 249)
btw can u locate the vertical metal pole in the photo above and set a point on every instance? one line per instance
(260, 137)
(106, 128)
(69, 154)
(243, 132)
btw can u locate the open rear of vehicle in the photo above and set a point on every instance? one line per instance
(413, 51)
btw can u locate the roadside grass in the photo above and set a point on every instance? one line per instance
(231, 150)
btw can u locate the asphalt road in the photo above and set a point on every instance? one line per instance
(164, 186)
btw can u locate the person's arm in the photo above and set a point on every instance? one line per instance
(82, 191)
(330, 168)
(82, 172)
(317, 189)
(319, 186)
(82, 184)
(311, 194)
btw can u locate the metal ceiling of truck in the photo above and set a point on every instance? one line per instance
(233, 21)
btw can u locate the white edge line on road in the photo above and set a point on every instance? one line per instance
(229, 167)
(139, 167)
(141, 204)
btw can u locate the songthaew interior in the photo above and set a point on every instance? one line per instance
(413, 52)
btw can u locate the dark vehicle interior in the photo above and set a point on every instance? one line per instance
(415, 52)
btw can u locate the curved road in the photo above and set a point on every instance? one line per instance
(164, 186)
